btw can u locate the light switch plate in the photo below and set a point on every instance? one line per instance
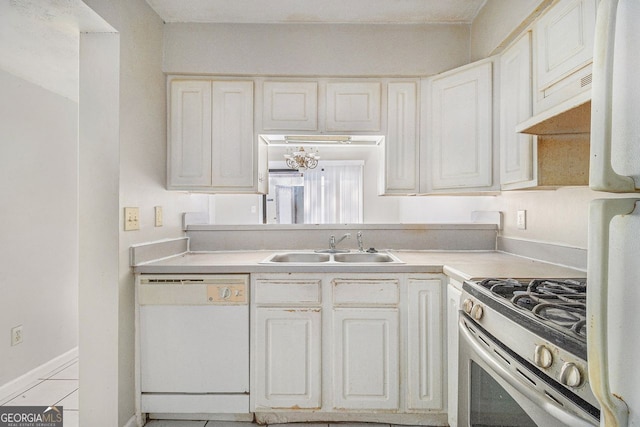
(158, 218)
(131, 219)
(521, 220)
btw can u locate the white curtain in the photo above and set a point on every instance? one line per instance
(333, 193)
(284, 204)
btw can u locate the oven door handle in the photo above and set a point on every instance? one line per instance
(557, 412)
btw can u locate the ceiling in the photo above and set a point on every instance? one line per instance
(318, 11)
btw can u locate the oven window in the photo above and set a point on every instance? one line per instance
(491, 405)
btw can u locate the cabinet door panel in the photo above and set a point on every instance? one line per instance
(401, 144)
(288, 358)
(233, 149)
(516, 149)
(424, 344)
(353, 107)
(190, 133)
(461, 132)
(290, 106)
(453, 305)
(366, 363)
(564, 40)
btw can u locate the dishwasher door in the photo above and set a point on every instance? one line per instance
(194, 339)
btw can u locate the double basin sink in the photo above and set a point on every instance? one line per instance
(332, 258)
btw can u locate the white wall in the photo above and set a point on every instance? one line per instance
(38, 224)
(38, 159)
(98, 167)
(497, 21)
(142, 175)
(315, 50)
(558, 216)
(444, 209)
(39, 277)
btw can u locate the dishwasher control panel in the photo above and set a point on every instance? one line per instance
(227, 293)
(193, 289)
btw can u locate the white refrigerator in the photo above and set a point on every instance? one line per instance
(613, 299)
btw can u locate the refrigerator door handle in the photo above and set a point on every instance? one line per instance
(613, 409)
(602, 177)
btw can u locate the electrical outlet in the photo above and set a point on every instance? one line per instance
(158, 212)
(131, 219)
(16, 335)
(521, 220)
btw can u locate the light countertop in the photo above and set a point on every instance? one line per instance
(460, 265)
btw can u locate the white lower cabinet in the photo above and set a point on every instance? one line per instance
(424, 344)
(366, 364)
(329, 346)
(288, 354)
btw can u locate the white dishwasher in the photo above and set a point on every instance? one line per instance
(193, 341)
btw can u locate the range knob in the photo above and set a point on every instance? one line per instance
(542, 356)
(467, 305)
(570, 375)
(477, 312)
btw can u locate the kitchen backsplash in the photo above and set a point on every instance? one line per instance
(379, 236)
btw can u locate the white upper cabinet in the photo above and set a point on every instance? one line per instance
(402, 151)
(291, 106)
(461, 127)
(233, 150)
(212, 147)
(321, 106)
(190, 134)
(353, 107)
(563, 40)
(516, 149)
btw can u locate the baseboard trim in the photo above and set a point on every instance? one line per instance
(131, 423)
(20, 383)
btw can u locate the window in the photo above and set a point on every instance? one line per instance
(331, 193)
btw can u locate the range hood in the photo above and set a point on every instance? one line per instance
(570, 117)
(346, 140)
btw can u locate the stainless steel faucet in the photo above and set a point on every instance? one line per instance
(360, 244)
(333, 242)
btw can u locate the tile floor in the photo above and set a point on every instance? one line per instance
(163, 423)
(58, 388)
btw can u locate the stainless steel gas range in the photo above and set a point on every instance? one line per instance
(523, 354)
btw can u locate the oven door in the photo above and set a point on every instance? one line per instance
(496, 389)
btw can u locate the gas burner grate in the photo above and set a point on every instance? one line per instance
(558, 302)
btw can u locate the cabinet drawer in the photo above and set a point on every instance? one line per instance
(366, 291)
(288, 291)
